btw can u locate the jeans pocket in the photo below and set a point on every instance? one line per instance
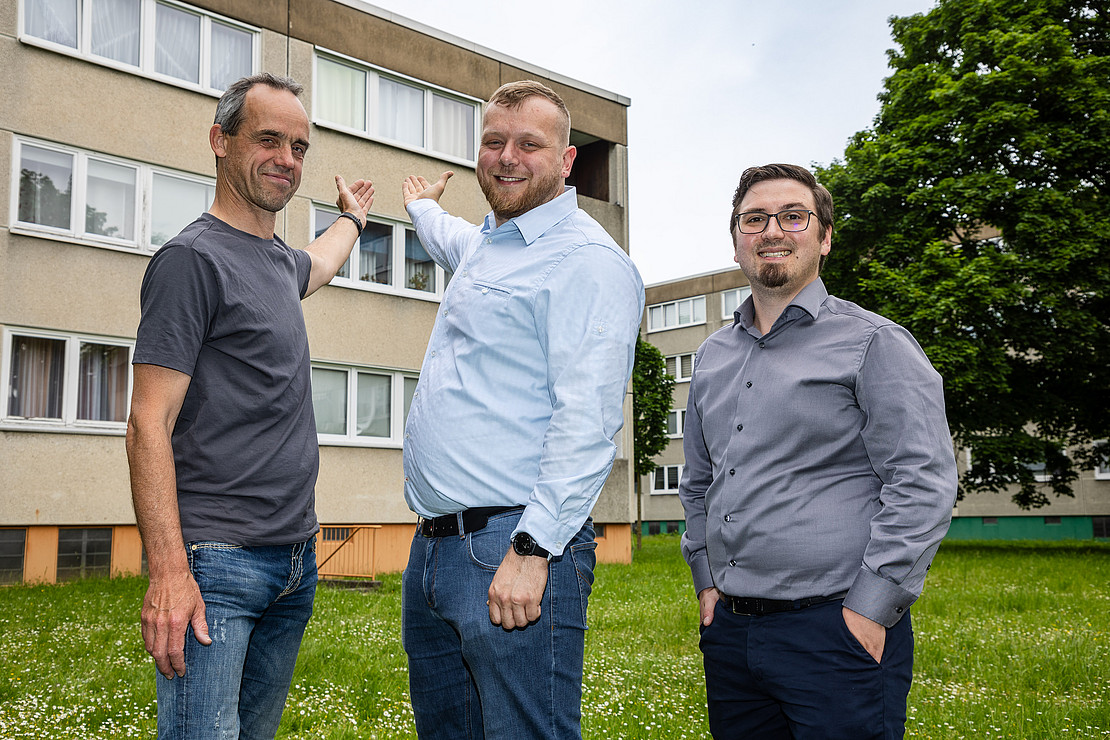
(487, 547)
(584, 557)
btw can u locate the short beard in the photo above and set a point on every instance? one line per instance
(771, 276)
(539, 191)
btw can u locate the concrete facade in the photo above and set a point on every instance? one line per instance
(64, 286)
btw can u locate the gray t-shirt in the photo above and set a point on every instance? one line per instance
(223, 307)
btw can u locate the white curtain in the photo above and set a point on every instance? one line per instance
(38, 366)
(401, 112)
(102, 383)
(115, 30)
(329, 400)
(342, 95)
(452, 127)
(53, 20)
(373, 405)
(177, 43)
(231, 55)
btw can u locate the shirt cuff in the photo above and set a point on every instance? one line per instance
(703, 574)
(420, 206)
(878, 599)
(550, 534)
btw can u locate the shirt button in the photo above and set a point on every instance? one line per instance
(445, 312)
(485, 290)
(463, 273)
(489, 241)
(732, 471)
(432, 353)
(728, 517)
(732, 563)
(762, 345)
(748, 384)
(739, 427)
(898, 609)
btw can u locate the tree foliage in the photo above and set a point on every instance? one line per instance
(975, 212)
(651, 402)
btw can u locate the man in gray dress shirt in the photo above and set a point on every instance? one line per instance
(819, 481)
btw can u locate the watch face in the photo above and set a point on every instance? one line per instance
(523, 544)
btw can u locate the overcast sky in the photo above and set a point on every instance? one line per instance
(716, 86)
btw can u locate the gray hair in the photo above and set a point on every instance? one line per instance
(229, 111)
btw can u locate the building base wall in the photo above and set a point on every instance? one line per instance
(1024, 528)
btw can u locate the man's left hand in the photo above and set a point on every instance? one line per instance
(871, 635)
(516, 591)
(357, 198)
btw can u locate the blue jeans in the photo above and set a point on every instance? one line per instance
(802, 675)
(257, 603)
(469, 678)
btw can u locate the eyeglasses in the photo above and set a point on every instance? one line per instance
(755, 222)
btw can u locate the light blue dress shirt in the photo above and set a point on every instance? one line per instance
(523, 383)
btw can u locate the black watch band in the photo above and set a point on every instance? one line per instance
(524, 544)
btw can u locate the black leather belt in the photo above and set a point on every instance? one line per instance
(759, 607)
(472, 520)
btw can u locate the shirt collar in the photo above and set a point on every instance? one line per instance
(809, 299)
(533, 224)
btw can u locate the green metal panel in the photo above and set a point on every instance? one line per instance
(1021, 528)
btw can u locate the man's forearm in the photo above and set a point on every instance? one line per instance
(154, 496)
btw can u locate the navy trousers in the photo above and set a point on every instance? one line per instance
(802, 675)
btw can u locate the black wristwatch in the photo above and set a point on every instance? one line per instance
(525, 544)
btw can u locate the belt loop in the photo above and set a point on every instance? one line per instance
(462, 529)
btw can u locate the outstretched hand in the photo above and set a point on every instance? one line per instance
(357, 198)
(415, 187)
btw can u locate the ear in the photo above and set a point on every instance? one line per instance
(217, 139)
(826, 242)
(568, 160)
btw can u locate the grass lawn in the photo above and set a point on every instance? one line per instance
(1013, 641)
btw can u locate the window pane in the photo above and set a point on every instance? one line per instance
(699, 309)
(110, 200)
(177, 43)
(12, 543)
(452, 127)
(670, 315)
(659, 480)
(53, 20)
(45, 184)
(687, 365)
(38, 366)
(672, 366)
(685, 313)
(323, 219)
(420, 271)
(102, 382)
(375, 254)
(373, 405)
(115, 30)
(401, 112)
(175, 204)
(342, 95)
(329, 400)
(231, 55)
(672, 423)
(410, 388)
(655, 317)
(672, 477)
(84, 552)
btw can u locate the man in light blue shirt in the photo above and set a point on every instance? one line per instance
(510, 434)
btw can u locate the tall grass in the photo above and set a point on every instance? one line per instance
(1012, 642)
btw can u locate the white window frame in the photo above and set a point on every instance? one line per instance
(680, 418)
(1102, 472)
(678, 324)
(733, 297)
(76, 234)
(678, 376)
(373, 74)
(147, 11)
(665, 491)
(398, 266)
(1042, 475)
(69, 421)
(396, 407)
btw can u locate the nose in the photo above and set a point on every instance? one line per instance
(284, 157)
(508, 156)
(774, 229)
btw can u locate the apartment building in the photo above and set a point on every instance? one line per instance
(682, 313)
(103, 138)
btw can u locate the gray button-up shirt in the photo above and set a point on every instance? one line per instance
(818, 459)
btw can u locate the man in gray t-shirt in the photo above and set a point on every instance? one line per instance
(221, 439)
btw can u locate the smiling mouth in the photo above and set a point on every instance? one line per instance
(776, 254)
(508, 179)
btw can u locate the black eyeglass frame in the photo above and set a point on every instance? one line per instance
(809, 218)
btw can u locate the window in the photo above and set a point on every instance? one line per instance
(990, 521)
(681, 367)
(666, 478)
(334, 534)
(676, 420)
(357, 406)
(1102, 469)
(731, 300)
(1040, 471)
(361, 99)
(84, 553)
(165, 40)
(671, 315)
(1101, 526)
(66, 380)
(75, 195)
(12, 545)
(1053, 520)
(378, 261)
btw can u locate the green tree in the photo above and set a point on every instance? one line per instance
(652, 390)
(975, 212)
